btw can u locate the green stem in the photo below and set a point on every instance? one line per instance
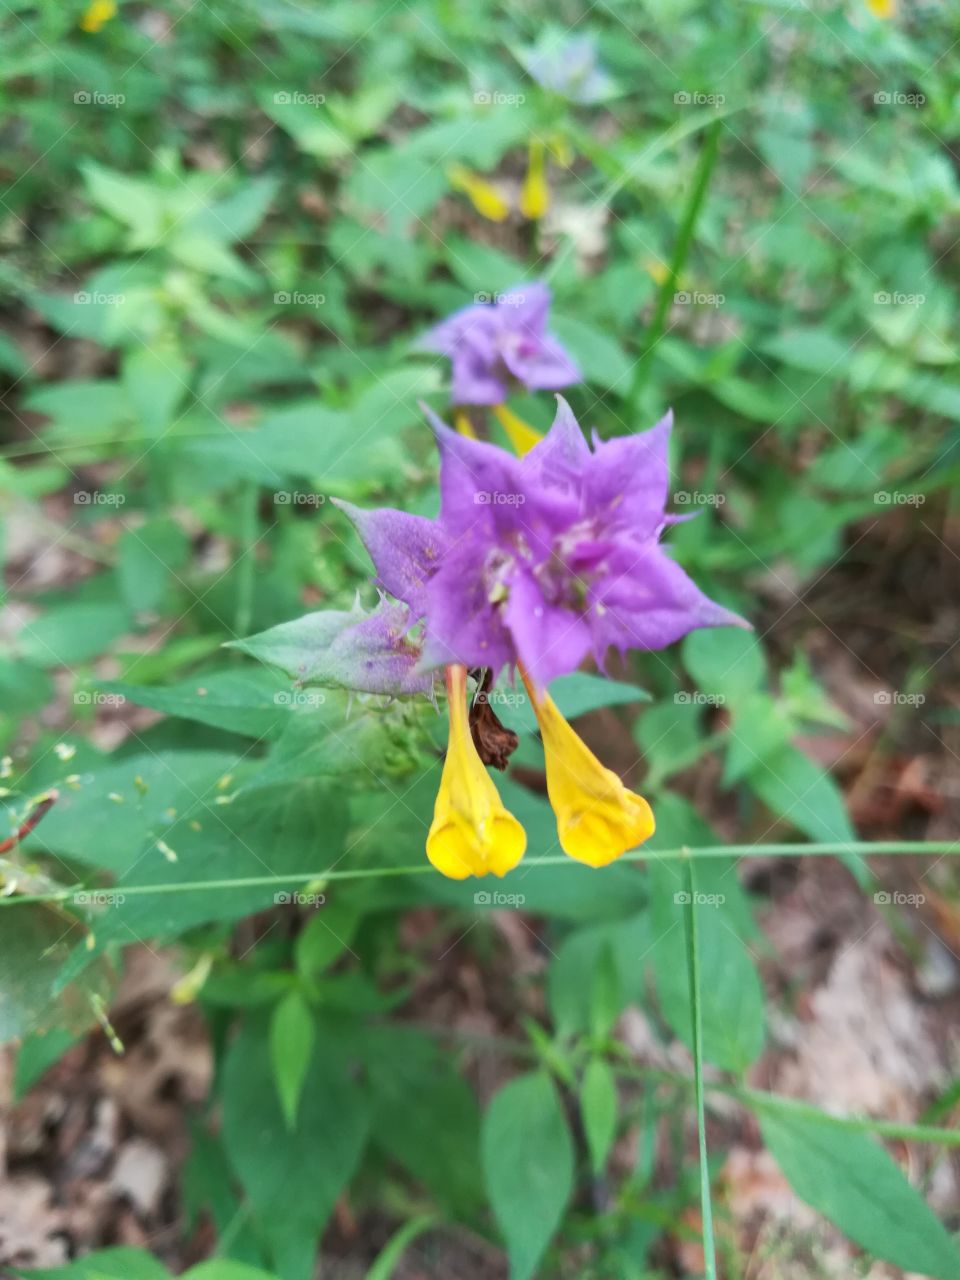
(681, 249)
(246, 565)
(693, 971)
(930, 848)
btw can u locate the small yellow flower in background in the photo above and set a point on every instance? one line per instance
(98, 15)
(535, 194)
(461, 420)
(598, 818)
(883, 9)
(561, 150)
(656, 270)
(520, 434)
(483, 195)
(472, 833)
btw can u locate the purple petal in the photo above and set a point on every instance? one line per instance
(646, 601)
(481, 485)
(549, 640)
(629, 477)
(405, 549)
(478, 325)
(462, 625)
(541, 364)
(562, 454)
(525, 308)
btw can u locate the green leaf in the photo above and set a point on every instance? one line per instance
(291, 1045)
(814, 350)
(156, 379)
(68, 634)
(733, 1018)
(528, 1167)
(574, 694)
(599, 1106)
(328, 933)
(600, 357)
(149, 559)
(726, 662)
(221, 1269)
(106, 1264)
(291, 1177)
(389, 1256)
(252, 702)
(852, 1180)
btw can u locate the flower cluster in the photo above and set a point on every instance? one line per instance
(535, 562)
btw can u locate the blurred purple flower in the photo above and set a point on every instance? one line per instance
(569, 67)
(541, 560)
(494, 344)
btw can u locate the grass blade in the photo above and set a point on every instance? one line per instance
(693, 972)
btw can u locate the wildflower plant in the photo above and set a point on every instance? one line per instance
(533, 565)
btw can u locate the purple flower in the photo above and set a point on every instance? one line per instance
(569, 67)
(492, 345)
(537, 562)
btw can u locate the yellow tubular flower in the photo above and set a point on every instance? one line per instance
(882, 9)
(472, 833)
(461, 420)
(98, 15)
(520, 434)
(598, 819)
(535, 194)
(484, 197)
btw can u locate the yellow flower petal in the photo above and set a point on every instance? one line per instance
(520, 434)
(882, 9)
(98, 14)
(535, 194)
(598, 818)
(472, 833)
(461, 420)
(484, 197)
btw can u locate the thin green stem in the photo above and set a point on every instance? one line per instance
(681, 249)
(693, 972)
(931, 848)
(246, 565)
